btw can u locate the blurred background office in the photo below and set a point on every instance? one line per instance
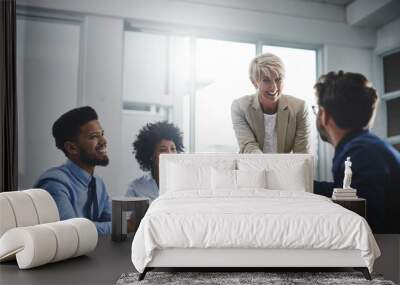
(140, 61)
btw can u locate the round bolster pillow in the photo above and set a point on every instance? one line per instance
(40, 244)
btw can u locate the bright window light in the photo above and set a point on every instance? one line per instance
(301, 75)
(221, 76)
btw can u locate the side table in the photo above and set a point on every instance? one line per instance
(357, 205)
(127, 212)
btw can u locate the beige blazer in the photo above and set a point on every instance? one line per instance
(292, 124)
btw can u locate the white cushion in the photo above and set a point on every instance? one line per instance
(223, 179)
(181, 177)
(192, 163)
(40, 244)
(7, 220)
(251, 178)
(45, 206)
(26, 208)
(283, 173)
(87, 235)
(282, 179)
(67, 240)
(33, 246)
(23, 208)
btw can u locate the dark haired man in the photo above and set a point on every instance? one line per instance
(152, 140)
(346, 106)
(73, 185)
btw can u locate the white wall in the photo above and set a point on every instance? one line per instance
(47, 73)
(102, 48)
(388, 37)
(132, 122)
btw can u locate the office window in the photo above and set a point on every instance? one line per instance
(221, 77)
(391, 87)
(221, 72)
(391, 74)
(195, 81)
(393, 117)
(155, 76)
(145, 69)
(301, 75)
(301, 72)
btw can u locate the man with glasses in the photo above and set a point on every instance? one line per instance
(346, 107)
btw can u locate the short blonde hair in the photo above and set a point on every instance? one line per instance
(266, 64)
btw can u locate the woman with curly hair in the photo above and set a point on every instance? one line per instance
(152, 140)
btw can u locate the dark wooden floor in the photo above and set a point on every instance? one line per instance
(102, 266)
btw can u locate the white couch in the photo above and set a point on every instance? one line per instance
(31, 231)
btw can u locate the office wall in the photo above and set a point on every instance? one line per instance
(47, 85)
(101, 86)
(388, 37)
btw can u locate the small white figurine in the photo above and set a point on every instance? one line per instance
(347, 174)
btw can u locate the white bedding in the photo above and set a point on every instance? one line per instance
(252, 218)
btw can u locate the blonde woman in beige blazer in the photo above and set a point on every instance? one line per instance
(268, 121)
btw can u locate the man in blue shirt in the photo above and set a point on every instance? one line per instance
(73, 185)
(346, 106)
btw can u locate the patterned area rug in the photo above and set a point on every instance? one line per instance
(228, 278)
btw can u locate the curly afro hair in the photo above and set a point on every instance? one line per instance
(148, 138)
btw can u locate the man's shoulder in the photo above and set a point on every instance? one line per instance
(368, 140)
(374, 142)
(55, 174)
(368, 145)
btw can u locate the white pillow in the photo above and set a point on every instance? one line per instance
(282, 174)
(293, 179)
(223, 179)
(181, 177)
(251, 178)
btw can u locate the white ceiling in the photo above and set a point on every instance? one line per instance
(371, 14)
(331, 2)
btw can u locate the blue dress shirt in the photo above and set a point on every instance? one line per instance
(144, 186)
(68, 184)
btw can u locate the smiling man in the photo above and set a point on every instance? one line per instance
(73, 185)
(268, 121)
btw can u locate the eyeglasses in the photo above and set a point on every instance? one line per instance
(315, 109)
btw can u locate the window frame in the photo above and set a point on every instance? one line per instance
(385, 97)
